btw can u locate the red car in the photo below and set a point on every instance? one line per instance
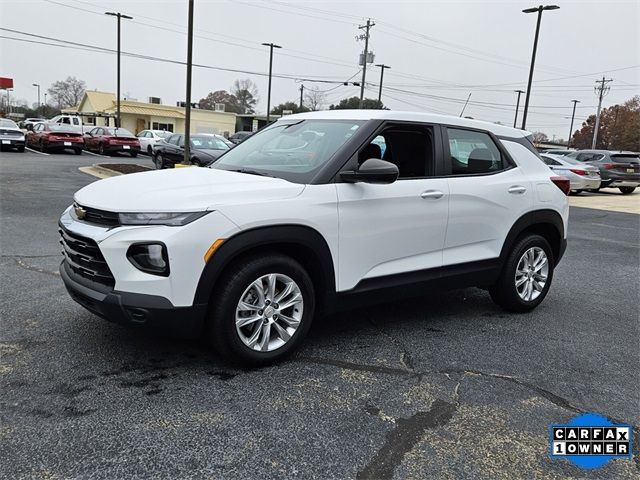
(53, 136)
(106, 140)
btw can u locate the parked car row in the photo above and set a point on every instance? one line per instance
(592, 170)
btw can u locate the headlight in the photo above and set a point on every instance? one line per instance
(149, 258)
(172, 219)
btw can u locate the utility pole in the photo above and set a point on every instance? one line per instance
(44, 107)
(271, 47)
(382, 67)
(515, 119)
(301, 94)
(601, 90)
(573, 115)
(187, 107)
(539, 9)
(118, 15)
(366, 28)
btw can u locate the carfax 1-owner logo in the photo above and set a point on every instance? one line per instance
(590, 441)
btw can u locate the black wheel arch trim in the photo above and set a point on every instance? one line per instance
(536, 218)
(293, 236)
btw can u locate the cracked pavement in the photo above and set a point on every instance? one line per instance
(444, 386)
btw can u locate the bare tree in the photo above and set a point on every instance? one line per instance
(540, 137)
(247, 94)
(314, 99)
(67, 93)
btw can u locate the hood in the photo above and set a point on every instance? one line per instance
(183, 190)
(207, 155)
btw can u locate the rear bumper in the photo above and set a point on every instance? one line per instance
(61, 145)
(134, 308)
(585, 183)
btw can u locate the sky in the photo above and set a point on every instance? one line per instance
(439, 52)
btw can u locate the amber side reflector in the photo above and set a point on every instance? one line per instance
(212, 249)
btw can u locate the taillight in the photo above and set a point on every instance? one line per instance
(609, 166)
(562, 183)
(577, 171)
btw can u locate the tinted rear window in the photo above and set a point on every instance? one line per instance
(625, 158)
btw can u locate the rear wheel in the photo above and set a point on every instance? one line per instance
(133, 154)
(526, 275)
(101, 149)
(159, 161)
(593, 190)
(262, 309)
(77, 151)
(627, 190)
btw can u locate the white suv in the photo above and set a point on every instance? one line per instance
(313, 212)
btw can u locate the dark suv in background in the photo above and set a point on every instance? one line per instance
(617, 168)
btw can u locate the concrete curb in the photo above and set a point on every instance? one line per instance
(96, 170)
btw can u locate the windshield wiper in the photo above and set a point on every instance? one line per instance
(252, 172)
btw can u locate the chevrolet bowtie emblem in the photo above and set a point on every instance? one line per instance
(80, 212)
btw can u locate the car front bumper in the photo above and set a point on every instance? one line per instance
(134, 308)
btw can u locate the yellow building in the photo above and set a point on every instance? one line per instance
(99, 108)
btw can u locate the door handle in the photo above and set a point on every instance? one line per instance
(517, 189)
(434, 194)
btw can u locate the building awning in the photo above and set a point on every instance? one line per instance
(150, 110)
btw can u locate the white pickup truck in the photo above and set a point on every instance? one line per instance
(74, 121)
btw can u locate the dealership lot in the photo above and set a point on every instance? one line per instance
(447, 385)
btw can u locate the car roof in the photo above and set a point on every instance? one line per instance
(626, 152)
(496, 129)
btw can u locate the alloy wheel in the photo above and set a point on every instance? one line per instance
(532, 272)
(269, 312)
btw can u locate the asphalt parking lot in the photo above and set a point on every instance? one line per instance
(445, 386)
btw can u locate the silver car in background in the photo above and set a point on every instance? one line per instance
(582, 176)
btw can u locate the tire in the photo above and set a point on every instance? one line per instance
(77, 151)
(159, 161)
(149, 151)
(238, 284)
(505, 293)
(575, 192)
(21, 149)
(101, 149)
(626, 190)
(593, 190)
(133, 154)
(196, 162)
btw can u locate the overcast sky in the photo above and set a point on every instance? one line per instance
(439, 52)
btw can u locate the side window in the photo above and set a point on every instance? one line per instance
(550, 161)
(473, 152)
(65, 120)
(180, 140)
(173, 139)
(76, 121)
(409, 147)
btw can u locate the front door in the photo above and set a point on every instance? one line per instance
(397, 228)
(140, 125)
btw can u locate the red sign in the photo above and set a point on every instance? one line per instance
(6, 83)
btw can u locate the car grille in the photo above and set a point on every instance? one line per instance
(98, 217)
(84, 258)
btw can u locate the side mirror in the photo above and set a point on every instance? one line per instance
(373, 170)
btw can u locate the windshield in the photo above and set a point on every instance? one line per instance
(208, 143)
(6, 123)
(293, 151)
(573, 161)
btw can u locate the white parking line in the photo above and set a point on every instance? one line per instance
(94, 154)
(35, 151)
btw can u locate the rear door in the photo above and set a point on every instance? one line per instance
(487, 194)
(393, 229)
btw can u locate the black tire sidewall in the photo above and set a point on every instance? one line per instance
(232, 284)
(626, 190)
(504, 292)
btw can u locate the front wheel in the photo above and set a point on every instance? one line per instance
(526, 275)
(159, 162)
(101, 149)
(262, 309)
(627, 190)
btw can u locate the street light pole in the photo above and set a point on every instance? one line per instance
(37, 85)
(573, 115)
(382, 67)
(539, 9)
(515, 119)
(271, 47)
(44, 107)
(118, 15)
